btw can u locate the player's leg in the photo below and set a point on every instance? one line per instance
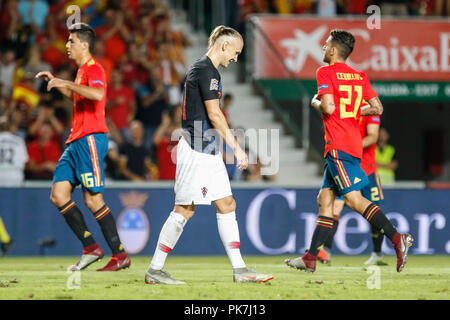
(373, 214)
(229, 230)
(170, 233)
(60, 197)
(89, 154)
(107, 223)
(229, 234)
(323, 229)
(324, 255)
(374, 193)
(168, 238)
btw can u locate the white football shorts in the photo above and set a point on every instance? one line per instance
(200, 178)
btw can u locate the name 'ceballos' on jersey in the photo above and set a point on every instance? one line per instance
(349, 88)
(202, 83)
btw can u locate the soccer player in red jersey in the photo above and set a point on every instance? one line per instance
(341, 91)
(87, 145)
(369, 128)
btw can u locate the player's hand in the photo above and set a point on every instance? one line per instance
(242, 159)
(46, 75)
(55, 83)
(315, 102)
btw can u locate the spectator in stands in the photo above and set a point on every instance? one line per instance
(57, 99)
(176, 40)
(227, 101)
(13, 156)
(385, 157)
(165, 145)
(120, 104)
(394, 7)
(25, 96)
(153, 99)
(52, 43)
(7, 69)
(134, 67)
(35, 64)
(327, 8)
(134, 160)
(352, 7)
(14, 32)
(172, 70)
(46, 115)
(115, 35)
(111, 163)
(18, 123)
(4, 102)
(33, 13)
(440, 8)
(143, 37)
(99, 55)
(44, 154)
(302, 6)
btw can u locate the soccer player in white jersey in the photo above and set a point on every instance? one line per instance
(201, 177)
(13, 157)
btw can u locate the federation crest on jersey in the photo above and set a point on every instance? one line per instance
(133, 225)
(204, 192)
(214, 85)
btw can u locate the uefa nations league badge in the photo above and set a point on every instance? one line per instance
(133, 225)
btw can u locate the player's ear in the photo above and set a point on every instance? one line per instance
(225, 45)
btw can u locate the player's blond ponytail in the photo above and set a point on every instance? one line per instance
(220, 31)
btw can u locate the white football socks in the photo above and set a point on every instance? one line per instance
(229, 234)
(168, 237)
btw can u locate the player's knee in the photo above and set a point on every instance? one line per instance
(323, 200)
(187, 214)
(232, 205)
(186, 211)
(58, 198)
(351, 200)
(226, 205)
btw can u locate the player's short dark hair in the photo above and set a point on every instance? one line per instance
(344, 40)
(85, 33)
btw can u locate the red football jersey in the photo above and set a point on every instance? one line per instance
(368, 162)
(88, 115)
(349, 87)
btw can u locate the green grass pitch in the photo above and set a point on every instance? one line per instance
(210, 278)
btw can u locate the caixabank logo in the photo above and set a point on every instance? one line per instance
(133, 225)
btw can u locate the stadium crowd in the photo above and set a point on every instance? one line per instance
(339, 7)
(143, 58)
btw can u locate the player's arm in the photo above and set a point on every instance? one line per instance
(219, 122)
(374, 108)
(323, 101)
(325, 105)
(91, 93)
(371, 135)
(47, 76)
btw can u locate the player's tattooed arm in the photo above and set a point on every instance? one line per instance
(325, 105)
(375, 108)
